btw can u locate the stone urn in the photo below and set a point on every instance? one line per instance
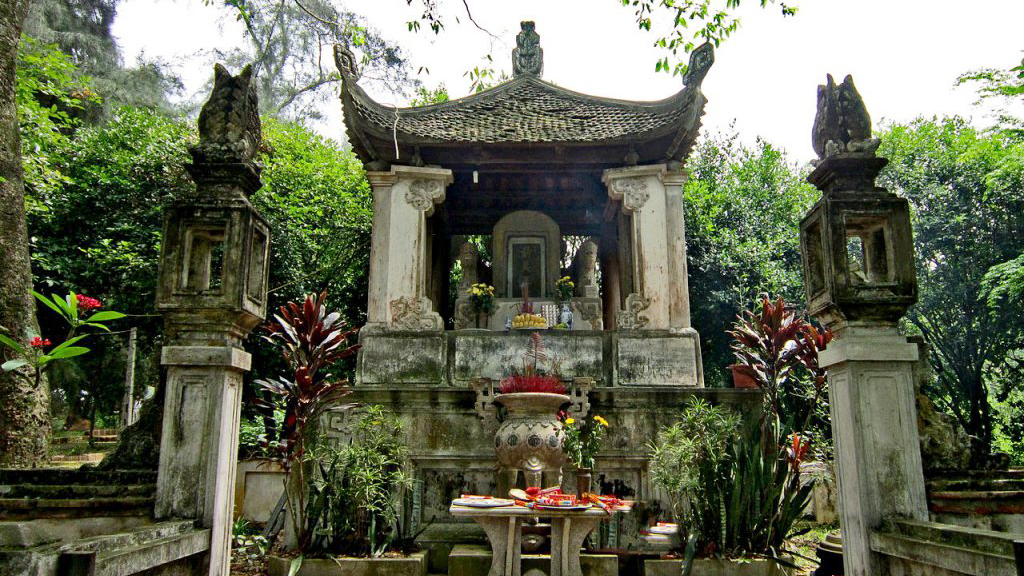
(530, 436)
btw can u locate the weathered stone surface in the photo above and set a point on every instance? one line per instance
(490, 354)
(944, 443)
(527, 56)
(402, 358)
(646, 358)
(413, 565)
(258, 487)
(910, 548)
(842, 123)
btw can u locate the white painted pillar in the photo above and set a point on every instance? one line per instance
(874, 427)
(679, 284)
(643, 195)
(403, 198)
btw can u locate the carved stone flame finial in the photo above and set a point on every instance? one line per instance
(527, 56)
(842, 124)
(229, 123)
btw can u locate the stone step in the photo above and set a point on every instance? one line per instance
(132, 537)
(976, 484)
(52, 491)
(10, 477)
(30, 508)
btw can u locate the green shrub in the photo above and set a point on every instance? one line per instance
(355, 490)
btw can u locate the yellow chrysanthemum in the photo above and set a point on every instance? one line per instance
(570, 420)
(601, 421)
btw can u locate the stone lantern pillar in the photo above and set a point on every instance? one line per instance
(858, 261)
(212, 291)
(403, 198)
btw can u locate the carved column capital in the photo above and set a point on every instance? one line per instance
(632, 191)
(630, 317)
(414, 313)
(423, 194)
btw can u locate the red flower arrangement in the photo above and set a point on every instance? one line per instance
(86, 303)
(532, 383)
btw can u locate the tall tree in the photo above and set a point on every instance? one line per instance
(966, 188)
(743, 208)
(289, 43)
(24, 408)
(82, 29)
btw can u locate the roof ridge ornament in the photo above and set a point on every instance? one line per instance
(701, 60)
(527, 56)
(345, 60)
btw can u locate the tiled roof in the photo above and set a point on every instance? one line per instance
(525, 110)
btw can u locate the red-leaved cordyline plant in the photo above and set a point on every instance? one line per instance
(311, 340)
(771, 346)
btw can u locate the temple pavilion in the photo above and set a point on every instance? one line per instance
(517, 186)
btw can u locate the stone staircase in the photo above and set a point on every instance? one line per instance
(985, 499)
(32, 494)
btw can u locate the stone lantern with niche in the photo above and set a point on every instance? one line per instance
(212, 291)
(856, 246)
(858, 260)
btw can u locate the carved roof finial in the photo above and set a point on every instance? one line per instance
(346, 62)
(527, 56)
(842, 124)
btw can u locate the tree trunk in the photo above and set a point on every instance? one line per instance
(24, 407)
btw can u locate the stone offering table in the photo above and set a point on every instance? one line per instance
(569, 528)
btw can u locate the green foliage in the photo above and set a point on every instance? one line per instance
(426, 97)
(734, 494)
(690, 460)
(966, 188)
(82, 30)
(290, 44)
(692, 22)
(743, 207)
(356, 490)
(47, 91)
(1006, 86)
(318, 202)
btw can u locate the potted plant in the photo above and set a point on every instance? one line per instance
(481, 299)
(582, 442)
(311, 340)
(353, 507)
(738, 492)
(530, 435)
(564, 288)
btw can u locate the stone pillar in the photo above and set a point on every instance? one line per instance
(679, 284)
(212, 291)
(642, 194)
(859, 276)
(402, 200)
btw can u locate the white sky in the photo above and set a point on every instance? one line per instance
(904, 55)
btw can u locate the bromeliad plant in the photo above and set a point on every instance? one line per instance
(779, 351)
(311, 341)
(77, 310)
(582, 439)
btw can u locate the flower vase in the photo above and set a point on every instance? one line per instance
(584, 476)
